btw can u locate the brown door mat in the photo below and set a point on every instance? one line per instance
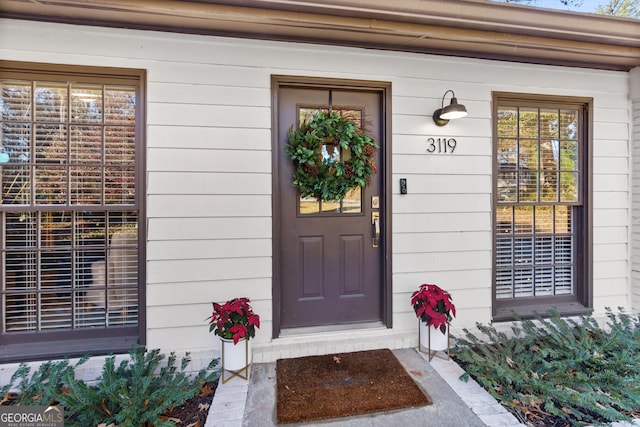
(342, 385)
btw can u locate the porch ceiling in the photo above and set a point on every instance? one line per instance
(469, 28)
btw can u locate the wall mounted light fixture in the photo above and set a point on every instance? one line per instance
(452, 111)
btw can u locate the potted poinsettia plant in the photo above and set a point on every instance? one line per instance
(434, 307)
(234, 322)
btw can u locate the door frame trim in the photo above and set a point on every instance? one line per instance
(384, 89)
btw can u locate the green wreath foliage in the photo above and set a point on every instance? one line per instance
(325, 177)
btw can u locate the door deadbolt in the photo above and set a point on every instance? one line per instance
(375, 202)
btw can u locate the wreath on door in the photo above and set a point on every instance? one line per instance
(330, 156)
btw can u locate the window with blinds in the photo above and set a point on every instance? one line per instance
(539, 199)
(70, 207)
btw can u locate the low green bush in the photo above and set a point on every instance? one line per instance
(134, 393)
(566, 369)
(41, 388)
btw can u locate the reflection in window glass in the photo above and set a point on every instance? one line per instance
(86, 104)
(51, 185)
(51, 143)
(86, 145)
(70, 165)
(529, 167)
(523, 219)
(507, 186)
(331, 152)
(507, 152)
(352, 203)
(68, 268)
(51, 102)
(528, 123)
(569, 124)
(309, 205)
(331, 206)
(508, 122)
(537, 187)
(549, 124)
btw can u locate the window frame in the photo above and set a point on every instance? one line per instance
(581, 301)
(95, 341)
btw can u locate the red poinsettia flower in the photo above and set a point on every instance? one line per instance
(433, 306)
(234, 320)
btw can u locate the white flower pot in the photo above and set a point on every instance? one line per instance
(439, 341)
(235, 357)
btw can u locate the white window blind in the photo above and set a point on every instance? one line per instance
(69, 211)
(538, 191)
(538, 262)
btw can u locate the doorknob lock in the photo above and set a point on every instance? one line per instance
(375, 221)
(374, 216)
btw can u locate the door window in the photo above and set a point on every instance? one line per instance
(352, 203)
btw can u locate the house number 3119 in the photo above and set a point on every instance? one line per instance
(441, 145)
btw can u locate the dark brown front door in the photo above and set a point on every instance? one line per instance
(330, 268)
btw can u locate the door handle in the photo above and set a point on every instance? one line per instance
(375, 240)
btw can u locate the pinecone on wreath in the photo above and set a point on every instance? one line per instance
(369, 150)
(348, 171)
(311, 170)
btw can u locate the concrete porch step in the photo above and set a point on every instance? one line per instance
(327, 342)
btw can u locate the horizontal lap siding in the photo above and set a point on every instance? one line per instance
(209, 165)
(209, 198)
(634, 92)
(611, 203)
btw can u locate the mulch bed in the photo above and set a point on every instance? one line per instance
(342, 385)
(194, 412)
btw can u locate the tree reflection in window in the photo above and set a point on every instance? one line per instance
(538, 196)
(71, 250)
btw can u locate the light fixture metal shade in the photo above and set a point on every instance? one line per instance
(452, 111)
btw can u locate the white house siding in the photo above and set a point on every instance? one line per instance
(208, 162)
(634, 97)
